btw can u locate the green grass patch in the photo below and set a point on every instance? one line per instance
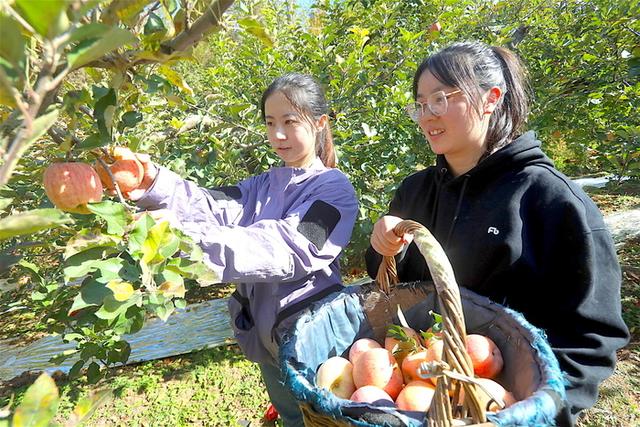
(213, 387)
(619, 401)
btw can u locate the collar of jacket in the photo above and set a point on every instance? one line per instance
(524, 150)
(297, 175)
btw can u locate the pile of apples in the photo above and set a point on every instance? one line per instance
(389, 375)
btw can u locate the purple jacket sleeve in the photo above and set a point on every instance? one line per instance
(309, 235)
(193, 206)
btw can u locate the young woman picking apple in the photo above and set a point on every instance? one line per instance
(279, 234)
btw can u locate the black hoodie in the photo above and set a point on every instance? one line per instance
(521, 233)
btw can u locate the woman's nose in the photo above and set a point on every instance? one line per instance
(280, 134)
(427, 115)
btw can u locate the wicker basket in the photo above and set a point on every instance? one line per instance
(329, 327)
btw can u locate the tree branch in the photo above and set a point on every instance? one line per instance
(202, 26)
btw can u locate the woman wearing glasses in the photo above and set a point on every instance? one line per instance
(514, 228)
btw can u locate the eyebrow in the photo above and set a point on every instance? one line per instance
(440, 88)
(284, 115)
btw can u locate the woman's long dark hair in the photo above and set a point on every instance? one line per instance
(307, 97)
(474, 68)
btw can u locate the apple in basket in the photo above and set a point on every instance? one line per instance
(416, 396)
(335, 374)
(360, 346)
(411, 363)
(372, 394)
(485, 356)
(379, 368)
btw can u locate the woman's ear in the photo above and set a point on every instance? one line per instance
(492, 97)
(321, 123)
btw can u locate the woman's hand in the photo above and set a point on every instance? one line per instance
(150, 173)
(126, 167)
(384, 240)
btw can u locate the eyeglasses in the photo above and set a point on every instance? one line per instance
(436, 103)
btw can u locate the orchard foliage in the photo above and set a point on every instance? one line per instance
(583, 58)
(73, 77)
(80, 76)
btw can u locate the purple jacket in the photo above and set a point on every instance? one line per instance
(278, 235)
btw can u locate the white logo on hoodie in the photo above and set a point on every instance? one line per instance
(493, 230)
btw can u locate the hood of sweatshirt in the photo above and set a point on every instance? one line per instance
(523, 151)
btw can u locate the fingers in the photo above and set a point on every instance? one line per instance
(143, 157)
(150, 170)
(384, 240)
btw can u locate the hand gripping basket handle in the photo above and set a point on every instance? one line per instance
(457, 364)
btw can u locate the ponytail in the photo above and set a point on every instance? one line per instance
(507, 122)
(324, 147)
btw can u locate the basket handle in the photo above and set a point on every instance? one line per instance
(454, 331)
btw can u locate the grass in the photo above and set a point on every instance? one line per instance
(216, 387)
(219, 387)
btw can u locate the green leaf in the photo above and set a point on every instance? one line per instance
(12, 47)
(39, 404)
(73, 336)
(74, 372)
(93, 373)
(87, 239)
(175, 78)
(113, 213)
(139, 233)
(85, 262)
(164, 311)
(171, 284)
(194, 270)
(119, 352)
(31, 267)
(88, 31)
(92, 293)
(189, 247)
(124, 11)
(254, 27)
(91, 142)
(63, 356)
(160, 244)
(47, 17)
(122, 291)
(111, 308)
(130, 119)
(29, 222)
(8, 93)
(94, 48)
(91, 349)
(103, 113)
(154, 25)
